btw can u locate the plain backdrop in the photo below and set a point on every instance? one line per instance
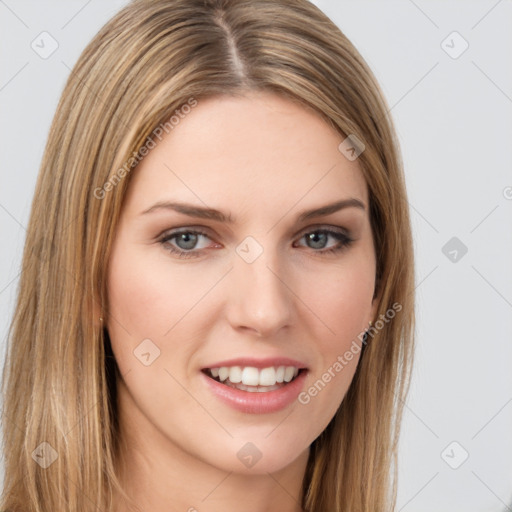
(445, 69)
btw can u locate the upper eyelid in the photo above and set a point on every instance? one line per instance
(324, 227)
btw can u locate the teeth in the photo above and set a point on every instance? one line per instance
(235, 374)
(223, 373)
(267, 377)
(288, 373)
(250, 376)
(252, 389)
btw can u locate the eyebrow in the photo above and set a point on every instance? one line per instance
(213, 214)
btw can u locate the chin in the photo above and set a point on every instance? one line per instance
(257, 457)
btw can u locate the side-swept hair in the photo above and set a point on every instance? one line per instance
(59, 374)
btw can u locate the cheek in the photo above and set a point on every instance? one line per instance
(341, 297)
(147, 297)
(152, 298)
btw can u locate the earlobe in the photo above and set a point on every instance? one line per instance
(97, 315)
(98, 322)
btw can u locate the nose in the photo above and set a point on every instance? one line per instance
(260, 299)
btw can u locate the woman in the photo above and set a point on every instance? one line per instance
(216, 304)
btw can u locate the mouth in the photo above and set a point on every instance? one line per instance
(255, 380)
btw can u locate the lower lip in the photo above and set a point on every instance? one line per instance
(257, 402)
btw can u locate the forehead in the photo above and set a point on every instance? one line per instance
(258, 150)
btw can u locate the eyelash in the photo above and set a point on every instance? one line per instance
(344, 242)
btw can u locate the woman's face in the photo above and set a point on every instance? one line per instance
(255, 283)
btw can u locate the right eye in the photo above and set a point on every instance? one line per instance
(183, 242)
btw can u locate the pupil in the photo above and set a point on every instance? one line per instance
(190, 240)
(313, 237)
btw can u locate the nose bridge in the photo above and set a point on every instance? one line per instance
(261, 300)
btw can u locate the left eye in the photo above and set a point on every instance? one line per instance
(318, 239)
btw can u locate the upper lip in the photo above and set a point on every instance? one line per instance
(258, 363)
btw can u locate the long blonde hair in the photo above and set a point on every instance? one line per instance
(59, 380)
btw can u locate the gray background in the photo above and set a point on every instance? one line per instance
(453, 117)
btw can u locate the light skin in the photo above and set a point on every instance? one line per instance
(264, 160)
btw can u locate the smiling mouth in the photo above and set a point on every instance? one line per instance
(254, 380)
